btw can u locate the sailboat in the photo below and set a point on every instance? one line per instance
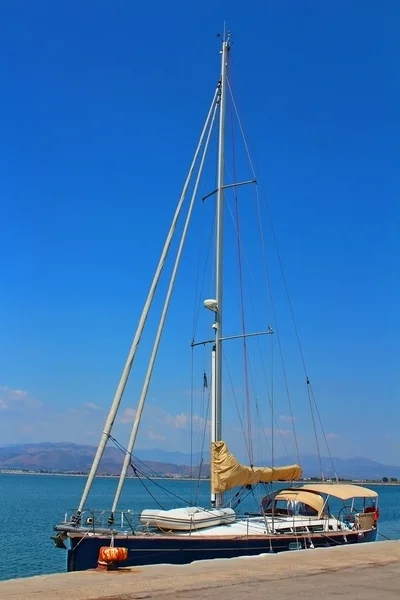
(295, 516)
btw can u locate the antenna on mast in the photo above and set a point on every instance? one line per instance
(226, 36)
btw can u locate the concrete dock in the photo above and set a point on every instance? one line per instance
(361, 572)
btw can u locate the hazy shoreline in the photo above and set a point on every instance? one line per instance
(105, 476)
(102, 475)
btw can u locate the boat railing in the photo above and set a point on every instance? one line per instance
(98, 520)
(127, 522)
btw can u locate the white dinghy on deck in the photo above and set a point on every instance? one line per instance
(187, 519)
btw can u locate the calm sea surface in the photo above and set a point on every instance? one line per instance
(31, 504)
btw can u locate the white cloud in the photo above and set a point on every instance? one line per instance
(158, 425)
(128, 415)
(92, 406)
(16, 393)
(178, 421)
(287, 419)
(181, 420)
(22, 419)
(332, 436)
(17, 400)
(153, 435)
(278, 431)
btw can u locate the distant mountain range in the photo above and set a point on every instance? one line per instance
(68, 457)
(77, 458)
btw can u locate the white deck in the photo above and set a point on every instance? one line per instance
(264, 526)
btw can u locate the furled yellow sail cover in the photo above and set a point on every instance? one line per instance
(227, 472)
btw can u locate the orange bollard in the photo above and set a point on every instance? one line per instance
(110, 556)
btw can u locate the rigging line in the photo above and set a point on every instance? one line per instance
(280, 264)
(236, 402)
(167, 492)
(149, 372)
(280, 352)
(205, 400)
(323, 432)
(242, 491)
(287, 294)
(293, 319)
(253, 493)
(267, 272)
(384, 536)
(262, 427)
(145, 487)
(202, 425)
(272, 229)
(277, 427)
(272, 401)
(233, 497)
(263, 367)
(286, 287)
(269, 401)
(269, 287)
(315, 428)
(154, 473)
(196, 295)
(205, 427)
(259, 440)
(206, 386)
(259, 425)
(155, 483)
(267, 394)
(191, 413)
(298, 340)
(241, 130)
(197, 312)
(208, 248)
(275, 324)
(243, 250)
(245, 355)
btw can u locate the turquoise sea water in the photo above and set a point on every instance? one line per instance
(31, 504)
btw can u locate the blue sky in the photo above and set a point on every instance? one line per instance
(101, 107)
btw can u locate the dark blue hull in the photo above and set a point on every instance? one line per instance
(178, 550)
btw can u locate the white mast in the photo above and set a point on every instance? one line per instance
(216, 433)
